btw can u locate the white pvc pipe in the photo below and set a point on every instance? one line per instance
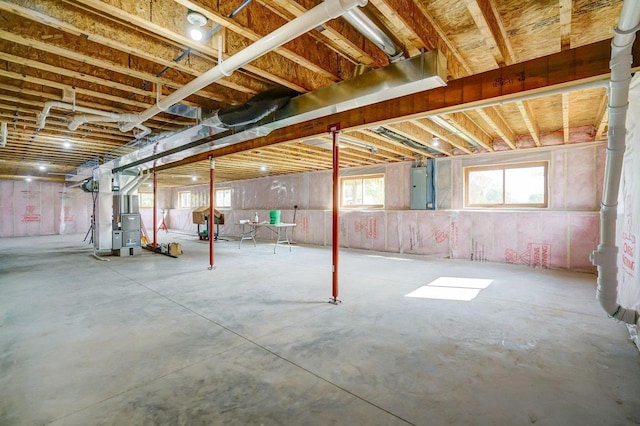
(42, 117)
(99, 116)
(606, 255)
(3, 134)
(329, 9)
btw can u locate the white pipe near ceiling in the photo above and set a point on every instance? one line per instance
(76, 121)
(329, 9)
(606, 255)
(3, 134)
(360, 21)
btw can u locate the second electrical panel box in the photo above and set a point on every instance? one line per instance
(422, 189)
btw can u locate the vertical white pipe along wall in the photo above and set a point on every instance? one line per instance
(329, 9)
(606, 255)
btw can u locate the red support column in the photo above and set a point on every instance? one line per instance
(155, 211)
(334, 129)
(212, 205)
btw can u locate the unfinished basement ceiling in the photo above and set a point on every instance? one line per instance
(120, 55)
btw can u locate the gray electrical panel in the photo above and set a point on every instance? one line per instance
(422, 187)
(419, 188)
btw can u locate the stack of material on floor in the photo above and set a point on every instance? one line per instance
(175, 249)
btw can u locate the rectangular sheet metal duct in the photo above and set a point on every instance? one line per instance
(422, 72)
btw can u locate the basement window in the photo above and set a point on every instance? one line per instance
(223, 198)
(507, 185)
(365, 191)
(184, 199)
(146, 199)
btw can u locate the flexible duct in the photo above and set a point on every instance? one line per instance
(256, 108)
(329, 9)
(606, 255)
(371, 30)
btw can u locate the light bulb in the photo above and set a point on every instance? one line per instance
(196, 34)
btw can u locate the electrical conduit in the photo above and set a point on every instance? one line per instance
(606, 255)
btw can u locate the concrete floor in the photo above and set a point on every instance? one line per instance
(156, 340)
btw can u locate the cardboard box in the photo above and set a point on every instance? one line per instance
(175, 249)
(200, 213)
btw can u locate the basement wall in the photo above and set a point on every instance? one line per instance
(561, 236)
(42, 208)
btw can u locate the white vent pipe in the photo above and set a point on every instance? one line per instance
(3, 134)
(606, 255)
(329, 9)
(363, 23)
(77, 120)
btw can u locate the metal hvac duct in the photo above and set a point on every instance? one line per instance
(420, 73)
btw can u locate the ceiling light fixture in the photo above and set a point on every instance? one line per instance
(196, 20)
(29, 179)
(66, 144)
(194, 178)
(435, 141)
(42, 168)
(263, 168)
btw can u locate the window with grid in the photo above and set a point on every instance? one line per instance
(146, 199)
(184, 199)
(507, 185)
(362, 191)
(223, 198)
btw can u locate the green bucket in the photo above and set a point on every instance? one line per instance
(274, 217)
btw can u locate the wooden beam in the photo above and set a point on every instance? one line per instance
(339, 35)
(461, 121)
(419, 136)
(530, 120)
(565, 23)
(602, 118)
(413, 15)
(559, 70)
(107, 84)
(485, 15)
(495, 120)
(90, 93)
(100, 63)
(565, 117)
(378, 142)
(444, 134)
(114, 35)
(271, 66)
